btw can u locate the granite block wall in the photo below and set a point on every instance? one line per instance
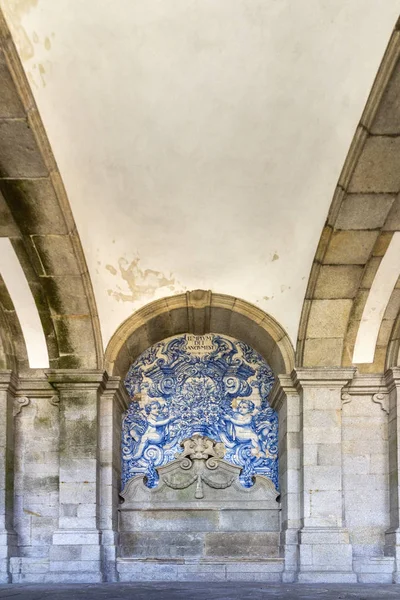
(339, 507)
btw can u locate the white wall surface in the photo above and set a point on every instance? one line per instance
(200, 142)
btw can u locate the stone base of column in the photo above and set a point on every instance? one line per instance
(325, 556)
(8, 549)
(392, 548)
(109, 555)
(289, 549)
(75, 557)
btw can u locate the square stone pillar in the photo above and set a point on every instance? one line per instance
(8, 541)
(325, 549)
(75, 554)
(113, 402)
(392, 536)
(285, 400)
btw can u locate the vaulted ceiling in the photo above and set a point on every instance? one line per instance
(152, 148)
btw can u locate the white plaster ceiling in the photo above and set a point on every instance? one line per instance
(200, 141)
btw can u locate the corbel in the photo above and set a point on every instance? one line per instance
(19, 403)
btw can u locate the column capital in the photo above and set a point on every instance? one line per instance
(114, 387)
(35, 384)
(392, 378)
(322, 376)
(282, 388)
(77, 379)
(8, 381)
(366, 384)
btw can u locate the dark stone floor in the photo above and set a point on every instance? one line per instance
(199, 591)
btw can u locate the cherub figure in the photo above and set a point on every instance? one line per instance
(243, 426)
(155, 431)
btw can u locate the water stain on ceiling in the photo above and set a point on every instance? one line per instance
(15, 11)
(142, 284)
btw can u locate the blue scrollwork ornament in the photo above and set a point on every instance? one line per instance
(212, 385)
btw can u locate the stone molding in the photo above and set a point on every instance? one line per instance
(114, 388)
(43, 385)
(336, 377)
(8, 381)
(368, 385)
(282, 388)
(365, 384)
(34, 385)
(77, 379)
(392, 378)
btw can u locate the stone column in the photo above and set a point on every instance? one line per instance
(392, 536)
(325, 549)
(8, 541)
(75, 554)
(113, 403)
(285, 400)
(36, 475)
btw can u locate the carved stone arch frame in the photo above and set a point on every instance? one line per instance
(198, 312)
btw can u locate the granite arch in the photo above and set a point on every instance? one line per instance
(13, 353)
(199, 312)
(360, 225)
(36, 216)
(393, 325)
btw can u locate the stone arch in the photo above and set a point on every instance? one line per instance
(13, 353)
(35, 215)
(199, 312)
(392, 321)
(362, 219)
(7, 355)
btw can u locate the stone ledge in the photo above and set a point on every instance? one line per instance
(375, 578)
(378, 565)
(24, 566)
(74, 577)
(144, 570)
(326, 577)
(66, 577)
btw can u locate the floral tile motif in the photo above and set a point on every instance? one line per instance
(212, 385)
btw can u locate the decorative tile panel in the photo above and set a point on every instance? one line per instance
(210, 385)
